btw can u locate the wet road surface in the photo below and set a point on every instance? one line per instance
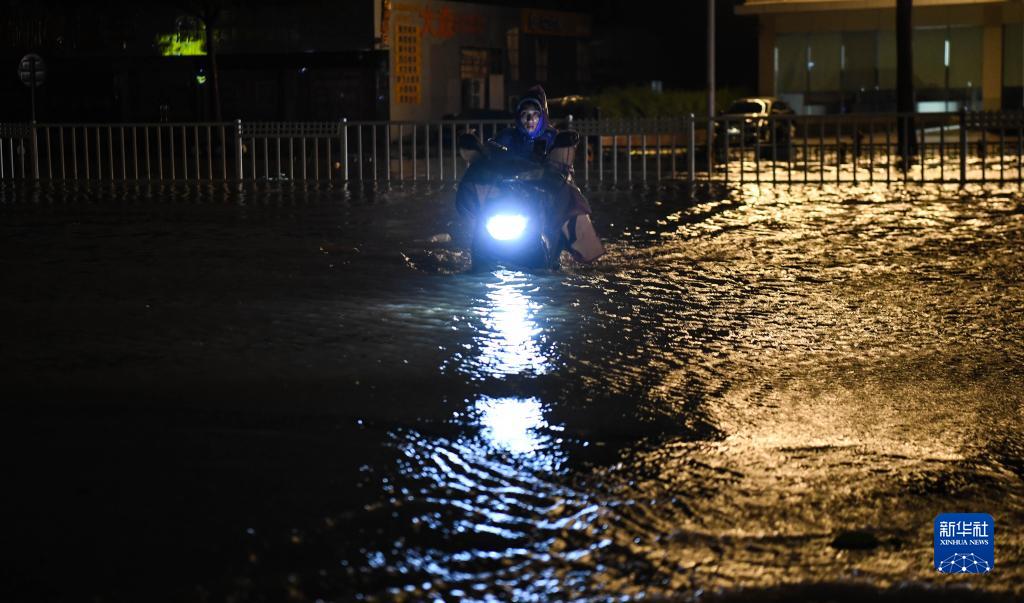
(304, 395)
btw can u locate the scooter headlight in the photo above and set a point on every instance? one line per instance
(506, 227)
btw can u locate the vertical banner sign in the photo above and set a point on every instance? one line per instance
(385, 22)
(406, 51)
(965, 543)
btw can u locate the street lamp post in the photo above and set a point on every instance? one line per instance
(904, 83)
(711, 83)
(711, 59)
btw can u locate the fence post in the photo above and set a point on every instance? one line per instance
(615, 151)
(710, 141)
(239, 165)
(963, 146)
(344, 148)
(691, 148)
(35, 153)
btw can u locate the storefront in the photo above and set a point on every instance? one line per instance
(839, 56)
(460, 58)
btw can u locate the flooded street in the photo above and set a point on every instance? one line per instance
(306, 396)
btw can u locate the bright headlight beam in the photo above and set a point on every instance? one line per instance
(506, 227)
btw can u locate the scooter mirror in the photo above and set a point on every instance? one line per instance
(563, 151)
(566, 138)
(469, 141)
(470, 148)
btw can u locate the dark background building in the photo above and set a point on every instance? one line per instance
(126, 61)
(322, 61)
(637, 42)
(835, 56)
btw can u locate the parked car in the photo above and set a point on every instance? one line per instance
(750, 120)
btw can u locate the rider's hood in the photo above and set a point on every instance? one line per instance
(535, 96)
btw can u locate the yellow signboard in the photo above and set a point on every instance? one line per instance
(407, 51)
(442, 23)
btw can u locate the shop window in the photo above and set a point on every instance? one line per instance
(1013, 56)
(929, 58)
(791, 63)
(512, 47)
(473, 65)
(964, 57)
(823, 59)
(887, 60)
(859, 60)
(842, 70)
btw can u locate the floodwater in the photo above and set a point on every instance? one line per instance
(301, 395)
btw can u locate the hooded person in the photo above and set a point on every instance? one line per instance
(533, 138)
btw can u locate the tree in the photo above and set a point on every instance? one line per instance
(210, 14)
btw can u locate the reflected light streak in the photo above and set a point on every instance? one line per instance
(508, 345)
(512, 424)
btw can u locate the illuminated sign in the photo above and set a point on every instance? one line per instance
(442, 23)
(407, 64)
(181, 44)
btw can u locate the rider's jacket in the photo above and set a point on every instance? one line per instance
(525, 146)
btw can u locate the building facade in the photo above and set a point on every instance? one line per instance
(839, 56)
(302, 61)
(461, 58)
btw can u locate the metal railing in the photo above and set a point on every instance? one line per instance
(906, 147)
(936, 147)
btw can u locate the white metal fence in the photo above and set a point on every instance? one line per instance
(942, 147)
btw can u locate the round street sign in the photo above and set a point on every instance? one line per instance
(27, 65)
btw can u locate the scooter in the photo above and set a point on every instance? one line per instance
(513, 205)
(511, 227)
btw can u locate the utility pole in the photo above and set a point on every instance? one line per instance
(711, 87)
(905, 82)
(711, 60)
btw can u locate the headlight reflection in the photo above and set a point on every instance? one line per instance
(512, 424)
(508, 343)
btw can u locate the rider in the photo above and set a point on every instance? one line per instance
(533, 138)
(530, 139)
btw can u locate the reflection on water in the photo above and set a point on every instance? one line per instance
(509, 337)
(512, 424)
(494, 487)
(856, 353)
(746, 305)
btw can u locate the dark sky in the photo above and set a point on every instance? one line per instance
(667, 40)
(677, 50)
